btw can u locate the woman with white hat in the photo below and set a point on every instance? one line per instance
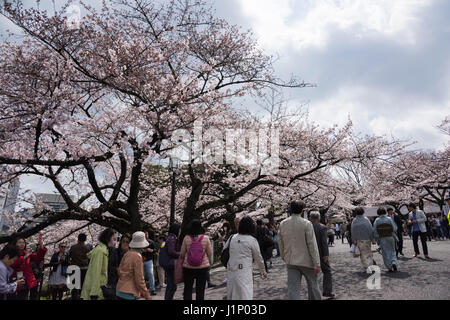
(131, 284)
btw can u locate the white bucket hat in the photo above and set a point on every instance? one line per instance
(139, 241)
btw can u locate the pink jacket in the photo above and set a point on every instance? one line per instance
(206, 247)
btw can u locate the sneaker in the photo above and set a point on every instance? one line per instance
(394, 267)
(415, 255)
(153, 293)
(212, 285)
(329, 295)
(427, 257)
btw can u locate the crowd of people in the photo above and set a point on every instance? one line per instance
(126, 270)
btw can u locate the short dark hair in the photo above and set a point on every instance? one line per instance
(247, 226)
(296, 207)
(174, 229)
(9, 250)
(390, 209)
(82, 237)
(195, 228)
(259, 222)
(412, 205)
(359, 211)
(381, 211)
(106, 236)
(125, 236)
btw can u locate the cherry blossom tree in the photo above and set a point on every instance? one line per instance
(89, 107)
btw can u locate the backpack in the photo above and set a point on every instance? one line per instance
(165, 260)
(195, 253)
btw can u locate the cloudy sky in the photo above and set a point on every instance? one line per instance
(383, 63)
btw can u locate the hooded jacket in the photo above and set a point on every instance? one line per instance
(97, 273)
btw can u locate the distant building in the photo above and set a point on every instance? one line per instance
(54, 201)
(8, 203)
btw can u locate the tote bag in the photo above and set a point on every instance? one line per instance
(179, 271)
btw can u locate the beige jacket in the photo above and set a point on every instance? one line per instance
(297, 242)
(131, 275)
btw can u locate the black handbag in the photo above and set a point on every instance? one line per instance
(109, 292)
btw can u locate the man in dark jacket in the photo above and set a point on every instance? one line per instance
(399, 222)
(320, 232)
(78, 256)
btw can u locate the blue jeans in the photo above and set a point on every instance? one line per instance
(275, 242)
(148, 267)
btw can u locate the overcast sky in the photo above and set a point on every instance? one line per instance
(383, 63)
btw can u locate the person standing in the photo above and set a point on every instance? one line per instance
(97, 273)
(362, 237)
(320, 231)
(168, 254)
(160, 270)
(8, 255)
(243, 249)
(196, 252)
(58, 274)
(78, 257)
(399, 223)
(23, 264)
(148, 254)
(298, 248)
(338, 230)
(270, 245)
(384, 230)
(115, 256)
(417, 218)
(131, 284)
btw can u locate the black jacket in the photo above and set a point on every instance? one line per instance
(54, 263)
(322, 239)
(114, 259)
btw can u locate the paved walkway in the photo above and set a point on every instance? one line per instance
(417, 278)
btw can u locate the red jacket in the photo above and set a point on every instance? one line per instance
(24, 265)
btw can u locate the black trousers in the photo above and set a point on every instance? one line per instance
(327, 278)
(76, 293)
(399, 243)
(423, 239)
(199, 275)
(171, 287)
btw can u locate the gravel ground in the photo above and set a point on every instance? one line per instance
(416, 279)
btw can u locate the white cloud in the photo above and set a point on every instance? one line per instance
(307, 23)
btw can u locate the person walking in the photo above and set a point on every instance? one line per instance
(439, 232)
(362, 237)
(78, 257)
(131, 284)
(8, 255)
(271, 244)
(168, 253)
(264, 240)
(298, 248)
(330, 233)
(97, 273)
(196, 252)
(275, 239)
(399, 223)
(385, 231)
(115, 256)
(23, 265)
(243, 250)
(148, 254)
(417, 218)
(58, 274)
(337, 229)
(343, 231)
(320, 231)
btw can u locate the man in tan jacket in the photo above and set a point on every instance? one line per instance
(298, 248)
